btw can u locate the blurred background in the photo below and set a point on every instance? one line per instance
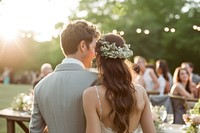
(156, 29)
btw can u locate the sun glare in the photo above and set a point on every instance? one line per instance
(9, 32)
(39, 16)
(10, 36)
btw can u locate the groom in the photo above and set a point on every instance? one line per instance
(57, 97)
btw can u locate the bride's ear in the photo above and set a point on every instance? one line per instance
(82, 46)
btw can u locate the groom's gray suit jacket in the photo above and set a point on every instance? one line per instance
(58, 100)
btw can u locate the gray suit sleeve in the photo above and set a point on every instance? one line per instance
(37, 123)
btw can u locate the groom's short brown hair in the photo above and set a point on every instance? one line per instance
(74, 33)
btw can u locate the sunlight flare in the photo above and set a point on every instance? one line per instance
(39, 16)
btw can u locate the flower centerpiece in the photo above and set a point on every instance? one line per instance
(158, 116)
(193, 120)
(22, 102)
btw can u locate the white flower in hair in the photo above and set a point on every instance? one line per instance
(112, 51)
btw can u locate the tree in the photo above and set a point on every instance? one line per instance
(153, 16)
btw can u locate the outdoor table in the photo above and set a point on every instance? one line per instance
(192, 99)
(13, 117)
(172, 128)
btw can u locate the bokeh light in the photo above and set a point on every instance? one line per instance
(138, 30)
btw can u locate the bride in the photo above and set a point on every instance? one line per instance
(117, 105)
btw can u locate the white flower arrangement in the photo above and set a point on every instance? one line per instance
(193, 121)
(112, 51)
(22, 102)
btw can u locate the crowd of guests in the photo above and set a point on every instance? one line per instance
(156, 76)
(27, 77)
(182, 82)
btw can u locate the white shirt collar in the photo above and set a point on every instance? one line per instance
(72, 60)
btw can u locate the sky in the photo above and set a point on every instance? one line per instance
(39, 16)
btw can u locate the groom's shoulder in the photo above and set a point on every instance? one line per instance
(90, 71)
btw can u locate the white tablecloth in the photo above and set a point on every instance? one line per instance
(167, 128)
(173, 128)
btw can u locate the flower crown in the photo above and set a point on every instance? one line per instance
(112, 51)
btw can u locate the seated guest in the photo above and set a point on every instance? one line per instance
(195, 78)
(189, 66)
(182, 85)
(137, 78)
(148, 74)
(163, 77)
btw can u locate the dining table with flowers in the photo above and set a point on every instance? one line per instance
(164, 122)
(19, 112)
(192, 119)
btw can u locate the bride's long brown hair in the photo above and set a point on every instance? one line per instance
(117, 79)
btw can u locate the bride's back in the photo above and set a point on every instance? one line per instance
(106, 108)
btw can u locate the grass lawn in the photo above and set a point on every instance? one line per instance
(7, 93)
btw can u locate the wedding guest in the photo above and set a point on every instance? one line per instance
(58, 96)
(117, 105)
(182, 85)
(137, 78)
(148, 74)
(134, 70)
(189, 66)
(194, 78)
(45, 69)
(163, 78)
(6, 78)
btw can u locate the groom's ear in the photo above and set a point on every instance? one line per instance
(82, 45)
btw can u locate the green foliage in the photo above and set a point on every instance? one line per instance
(196, 109)
(192, 129)
(194, 123)
(154, 15)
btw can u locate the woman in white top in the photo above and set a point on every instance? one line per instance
(148, 74)
(116, 106)
(163, 78)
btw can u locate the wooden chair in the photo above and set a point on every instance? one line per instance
(153, 92)
(179, 108)
(191, 102)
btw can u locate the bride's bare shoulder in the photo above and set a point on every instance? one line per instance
(90, 91)
(139, 88)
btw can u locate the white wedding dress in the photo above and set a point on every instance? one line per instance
(105, 129)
